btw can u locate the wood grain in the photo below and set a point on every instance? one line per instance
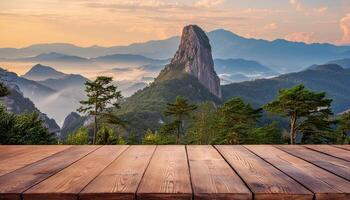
(7, 151)
(120, 179)
(212, 177)
(16, 182)
(346, 147)
(325, 185)
(265, 181)
(329, 163)
(167, 176)
(330, 150)
(67, 183)
(18, 157)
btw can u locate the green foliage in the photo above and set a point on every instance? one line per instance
(157, 138)
(108, 136)
(344, 128)
(269, 134)
(144, 109)
(26, 128)
(202, 129)
(330, 79)
(179, 110)
(307, 111)
(234, 122)
(80, 137)
(100, 93)
(3, 90)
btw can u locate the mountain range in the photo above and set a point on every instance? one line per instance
(330, 78)
(280, 55)
(16, 103)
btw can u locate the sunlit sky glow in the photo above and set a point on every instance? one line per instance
(121, 22)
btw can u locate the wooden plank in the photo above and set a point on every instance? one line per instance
(18, 157)
(265, 181)
(67, 183)
(121, 179)
(329, 163)
(332, 151)
(325, 185)
(16, 182)
(212, 177)
(8, 151)
(346, 147)
(167, 176)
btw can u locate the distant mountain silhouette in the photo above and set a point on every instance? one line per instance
(330, 78)
(342, 62)
(280, 55)
(17, 103)
(41, 72)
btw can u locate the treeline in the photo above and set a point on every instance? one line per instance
(301, 116)
(307, 113)
(26, 128)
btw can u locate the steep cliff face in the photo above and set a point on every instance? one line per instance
(194, 57)
(17, 103)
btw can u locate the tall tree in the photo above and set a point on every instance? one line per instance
(307, 110)
(201, 128)
(180, 109)
(235, 120)
(344, 128)
(100, 93)
(3, 90)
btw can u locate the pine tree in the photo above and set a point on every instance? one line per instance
(307, 111)
(100, 93)
(180, 109)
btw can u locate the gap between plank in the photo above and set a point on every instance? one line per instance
(38, 160)
(78, 196)
(21, 195)
(143, 174)
(312, 163)
(340, 147)
(223, 157)
(314, 194)
(189, 171)
(327, 153)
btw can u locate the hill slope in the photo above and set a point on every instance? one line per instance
(330, 78)
(190, 74)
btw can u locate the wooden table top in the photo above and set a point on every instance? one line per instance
(122, 172)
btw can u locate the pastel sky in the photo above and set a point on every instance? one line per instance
(121, 22)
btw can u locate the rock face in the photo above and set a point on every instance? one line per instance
(70, 119)
(17, 103)
(194, 57)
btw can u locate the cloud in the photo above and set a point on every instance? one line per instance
(299, 7)
(345, 28)
(270, 27)
(305, 37)
(208, 3)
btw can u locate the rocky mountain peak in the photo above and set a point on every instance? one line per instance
(194, 57)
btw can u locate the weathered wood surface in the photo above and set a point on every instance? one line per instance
(212, 177)
(121, 179)
(265, 181)
(13, 184)
(13, 157)
(67, 183)
(151, 172)
(330, 150)
(335, 165)
(167, 176)
(323, 184)
(346, 147)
